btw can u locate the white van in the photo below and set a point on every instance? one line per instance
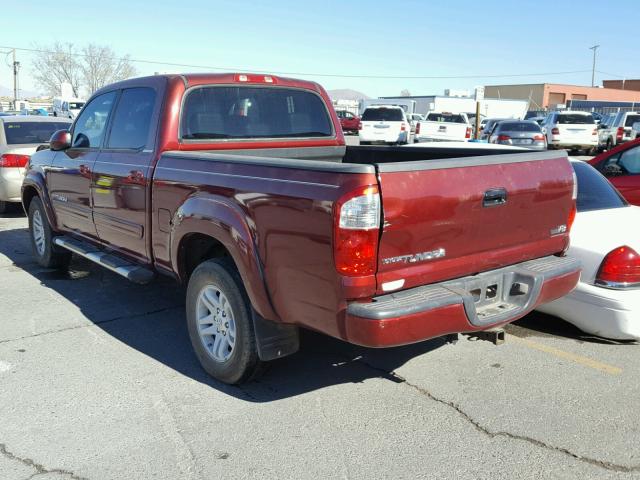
(571, 130)
(67, 108)
(384, 124)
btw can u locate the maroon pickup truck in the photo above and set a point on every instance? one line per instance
(241, 187)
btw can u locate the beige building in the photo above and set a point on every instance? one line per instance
(550, 95)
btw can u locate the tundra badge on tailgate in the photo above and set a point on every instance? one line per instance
(416, 257)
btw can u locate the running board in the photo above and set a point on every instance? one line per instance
(115, 263)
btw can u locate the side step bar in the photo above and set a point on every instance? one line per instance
(119, 265)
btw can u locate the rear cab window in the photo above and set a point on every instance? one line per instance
(382, 114)
(214, 112)
(594, 191)
(446, 117)
(23, 133)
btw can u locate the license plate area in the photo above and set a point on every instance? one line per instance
(522, 141)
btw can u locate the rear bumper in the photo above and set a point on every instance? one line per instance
(463, 305)
(11, 184)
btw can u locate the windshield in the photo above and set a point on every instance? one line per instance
(631, 119)
(519, 127)
(212, 112)
(382, 114)
(573, 119)
(18, 133)
(446, 117)
(594, 191)
(76, 105)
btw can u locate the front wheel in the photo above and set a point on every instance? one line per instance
(46, 253)
(220, 323)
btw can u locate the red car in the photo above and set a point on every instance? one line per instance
(621, 165)
(348, 121)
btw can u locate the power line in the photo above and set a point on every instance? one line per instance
(312, 74)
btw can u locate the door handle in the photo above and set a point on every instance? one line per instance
(494, 197)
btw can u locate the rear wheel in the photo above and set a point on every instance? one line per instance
(46, 253)
(609, 144)
(220, 323)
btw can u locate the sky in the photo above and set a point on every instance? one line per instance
(368, 40)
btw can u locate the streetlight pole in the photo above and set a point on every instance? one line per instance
(593, 69)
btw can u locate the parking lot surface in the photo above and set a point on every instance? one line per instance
(99, 382)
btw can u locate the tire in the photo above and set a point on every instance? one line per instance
(609, 144)
(365, 143)
(41, 235)
(4, 206)
(227, 350)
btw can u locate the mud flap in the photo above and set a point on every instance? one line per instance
(274, 340)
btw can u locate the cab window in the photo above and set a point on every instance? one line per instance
(90, 127)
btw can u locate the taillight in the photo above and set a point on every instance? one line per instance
(595, 131)
(402, 127)
(417, 128)
(555, 131)
(504, 139)
(619, 133)
(468, 133)
(620, 268)
(538, 138)
(356, 232)
(13, 160)
(574, 197)
(359, 125)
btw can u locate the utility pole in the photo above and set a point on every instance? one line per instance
(16, 66)
(593, 70)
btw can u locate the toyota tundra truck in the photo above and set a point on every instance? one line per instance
(241, 187)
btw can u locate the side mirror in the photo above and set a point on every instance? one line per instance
(60, 140)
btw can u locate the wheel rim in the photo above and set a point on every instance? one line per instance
(216, 323)
(38, 232)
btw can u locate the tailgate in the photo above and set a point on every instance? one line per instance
(449, 218)
(443, 131)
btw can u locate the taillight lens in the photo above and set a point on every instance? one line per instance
(619, 133)
(359, 125)
(595, 131)
(13, 160)
(468, 133)
(620, 268)
(504, 139)
(538, 138)
(418, 128)
(356, 232)
(574, 207)
(555, 131)
(403, 127)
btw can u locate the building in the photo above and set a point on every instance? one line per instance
(622, 84)
(543, 96)
(489, 107)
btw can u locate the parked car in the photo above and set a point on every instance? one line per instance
(635, 130)
(67, 107)
(520, 133)
(349, 122)
(443, 126)
(603, 132)
(20, 136)
(386, 124)
(606, 301)
(618, 129)
(414, 119)
(571, 130)
(490, 124)
(621, 166)
(241, 187)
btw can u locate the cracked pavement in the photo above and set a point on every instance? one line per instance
(99, 382)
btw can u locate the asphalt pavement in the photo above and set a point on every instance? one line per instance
(98, 381)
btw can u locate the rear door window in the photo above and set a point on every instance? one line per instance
(594, 191)
(90, 127)
(223, 112)
(574, 119)
(519, 127)
(22, 133)
(132, 119)
(382, 114)
(629, 161)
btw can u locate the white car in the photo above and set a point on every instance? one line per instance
(571, 130)
(20, 136)
(384, 124)
(606, 239)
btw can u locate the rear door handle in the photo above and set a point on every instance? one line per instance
(494, 197)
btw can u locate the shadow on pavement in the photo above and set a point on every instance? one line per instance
(151, 320)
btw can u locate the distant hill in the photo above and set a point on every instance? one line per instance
(346, 94)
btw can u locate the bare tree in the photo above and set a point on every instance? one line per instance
(56, 65)
(87, 70)
(101, 66)
(405, 93)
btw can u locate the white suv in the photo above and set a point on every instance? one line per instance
(618, 129)
(571, 130)
(384, 124)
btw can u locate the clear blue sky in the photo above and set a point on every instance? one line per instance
(410, 38)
